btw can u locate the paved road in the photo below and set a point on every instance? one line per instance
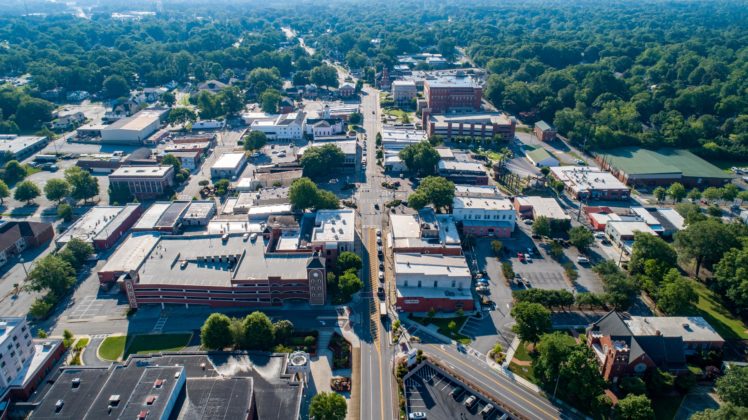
(495, 385)
(378, 395)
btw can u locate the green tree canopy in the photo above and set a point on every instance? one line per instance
(26, 191)
(283, 329)
(14, 172)
(76, 252)
(304, 194)
(51, 273)
(650, 247)
(255, 140)
(83, 185)
(553, 349)
(321, 160)
(726, 411)
(533, 320)
(348, 260)
(4, 191)
(325, 76)
(215, 333)
(348, 284)
(677, 192)
(541, 226)
(115, 86)
(327, 406)
(676, 294)
(731, 275)
(435, 190)
(420, 158)
(581, 237)
(257, 332)
(56, 189)
(181, 115)
(705, 242)
(269, 100)
(635, 407)
(733, 386)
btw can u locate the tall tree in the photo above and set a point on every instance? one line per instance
(255, 140)
(349, 261)
(436, 190)
(731, 275)
(4, 191)
(215, 334)
(115, 86)
(26, 191)
(321, 160)
(533, 320)
(705, 242)
(257, 332)
(541, 226)
(733, 387)
(83, 185)
(581, 237)
(56, 189)
(676, 294)
(650, 247)
(420, 158)
(328, 406)
(677, 192)
(553, 349)
(635, 407)
(51, 273)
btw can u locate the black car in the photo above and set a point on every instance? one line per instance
(380, 292)
(456, 392)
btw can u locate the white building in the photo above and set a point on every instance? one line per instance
(135, 129)
(324, 127)
(622, 232)
(439, 282)
(228, 165)
(586, 182)
(403, 91)
(21, 147)
(283, 127)
(208, 125)
(334, 232)
(485, 216)
(16, 349)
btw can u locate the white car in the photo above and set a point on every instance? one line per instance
(527, 221)
(583, 260)
(417, 415)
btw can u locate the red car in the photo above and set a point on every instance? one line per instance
(521, 257)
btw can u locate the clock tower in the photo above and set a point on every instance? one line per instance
(317, 277)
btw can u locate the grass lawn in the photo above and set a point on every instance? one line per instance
(81, 343)
(154, 343)
(523, 371)
(443, 325)
(710, 307)
(112, 347)
(666, 407)
(522, 353)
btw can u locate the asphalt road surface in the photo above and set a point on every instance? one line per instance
(494, 384)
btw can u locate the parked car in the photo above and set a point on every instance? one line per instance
(380, 292)
(527, 222)
(521, 256)
(456, 392)
(583, 260)
(470, 401)
(528, 258)
(417, 415)
(381, 276)
(486, 410)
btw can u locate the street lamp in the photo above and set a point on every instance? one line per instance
(24, 267)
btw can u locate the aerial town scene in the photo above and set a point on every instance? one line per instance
(374, 210)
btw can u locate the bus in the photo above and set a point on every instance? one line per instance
(382, 310)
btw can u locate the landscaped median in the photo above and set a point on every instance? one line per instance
(449, 327)
(117, 347)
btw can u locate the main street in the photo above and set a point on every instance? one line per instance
(378, 396)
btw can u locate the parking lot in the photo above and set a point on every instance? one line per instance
(428, 391)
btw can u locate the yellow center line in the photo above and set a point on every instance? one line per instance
(499, 384)
(373, 318)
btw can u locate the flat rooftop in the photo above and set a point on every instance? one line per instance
(484, 203)
(587, 178)
(199, 209)
(334, 226)
(630, 227)
(453, 82)
(142, 171)
(477, 118)
(137, 122)
(406, 230)
(99, 222)
(461, 166)
(475, 191)
(162, 215)
(210, 261)
(690, 328)
(431, 265)
(544, 206)
(15, 144)
(131, 253)
(229, 161)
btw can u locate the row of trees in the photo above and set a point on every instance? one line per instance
(55, 274)
(677, 192)
(253, 332)
(77, 184)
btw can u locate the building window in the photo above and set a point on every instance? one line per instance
(436, 284)
(419, 285)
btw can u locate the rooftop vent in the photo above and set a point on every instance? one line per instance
(150, 400)
(158, 383)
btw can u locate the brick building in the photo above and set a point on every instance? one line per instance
(452, 93)
(143, 182)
